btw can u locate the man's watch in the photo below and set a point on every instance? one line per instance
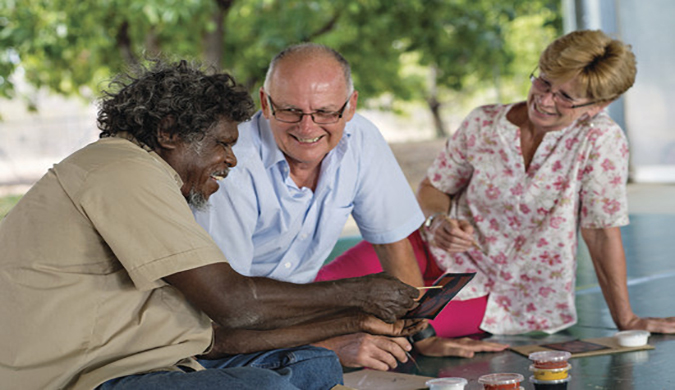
(425, 333)
(430, 220)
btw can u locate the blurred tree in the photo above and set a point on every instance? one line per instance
(70, 46)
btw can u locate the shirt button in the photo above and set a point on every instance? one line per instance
(288, 265)
(302, 237)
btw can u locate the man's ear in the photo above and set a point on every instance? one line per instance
(263, 103)
(351, 109)
(165, 138)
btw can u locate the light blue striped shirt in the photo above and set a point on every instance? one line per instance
(267, 226)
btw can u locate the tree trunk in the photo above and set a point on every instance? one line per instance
(124, 44)
(152, 44)
(214, 42)
(439, 125)
(434, 104)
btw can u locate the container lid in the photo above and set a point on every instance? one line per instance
(446, 381)
(633, 333)
(500, 379)
(550, 356)
(549, 382)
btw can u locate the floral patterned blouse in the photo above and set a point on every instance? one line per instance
(526, 222)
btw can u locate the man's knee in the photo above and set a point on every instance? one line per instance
(314, 368)
(258, 378)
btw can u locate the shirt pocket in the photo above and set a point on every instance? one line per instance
(333, 221)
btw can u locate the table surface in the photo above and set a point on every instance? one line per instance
(650, 248)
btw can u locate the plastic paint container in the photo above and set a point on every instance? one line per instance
(632, 338)
(550, 359)
(559, 384)
(501, 381)
(548, 374)
(447, 383)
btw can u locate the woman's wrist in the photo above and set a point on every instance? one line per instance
(430, 220)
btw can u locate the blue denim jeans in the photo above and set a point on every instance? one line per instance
(291, 368)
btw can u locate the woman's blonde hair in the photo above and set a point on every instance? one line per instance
(606, 67)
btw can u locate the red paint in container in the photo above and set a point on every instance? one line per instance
(501, 381)
(550, 359)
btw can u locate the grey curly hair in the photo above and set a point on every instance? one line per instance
(179, 98)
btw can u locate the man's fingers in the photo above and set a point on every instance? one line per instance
(380, 361)
(402, 342)
(399, 328)
(383, 353)
(392, 350)
(388, 298)
(366, 350)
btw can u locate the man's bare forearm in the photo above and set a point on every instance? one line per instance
(238, 302)
(235, 341)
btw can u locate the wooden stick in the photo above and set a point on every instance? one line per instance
(429, 287)
(413, 360)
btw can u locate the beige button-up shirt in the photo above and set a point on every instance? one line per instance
(82, 257)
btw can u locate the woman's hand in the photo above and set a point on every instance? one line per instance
(452, 235)
(462, 347)
(652, 324)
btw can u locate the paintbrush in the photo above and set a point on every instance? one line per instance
(429, 287)
(475, 245)
(413, 360)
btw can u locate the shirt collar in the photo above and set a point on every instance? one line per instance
(129, 137)
(272, 155)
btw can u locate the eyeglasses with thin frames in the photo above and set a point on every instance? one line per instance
(292, 115)
(544, 86)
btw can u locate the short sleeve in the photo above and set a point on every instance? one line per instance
(603, 199)
(140, 213)
(385, 207)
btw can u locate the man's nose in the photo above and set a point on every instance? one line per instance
(307, 122)
(230, 158)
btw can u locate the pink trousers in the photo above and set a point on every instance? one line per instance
(459, 318)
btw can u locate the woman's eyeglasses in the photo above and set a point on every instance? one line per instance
(562, 99)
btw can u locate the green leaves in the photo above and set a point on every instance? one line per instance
(66, 45)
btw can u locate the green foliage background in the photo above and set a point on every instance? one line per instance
(437, 53)
(6, 204)
(72, 46)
